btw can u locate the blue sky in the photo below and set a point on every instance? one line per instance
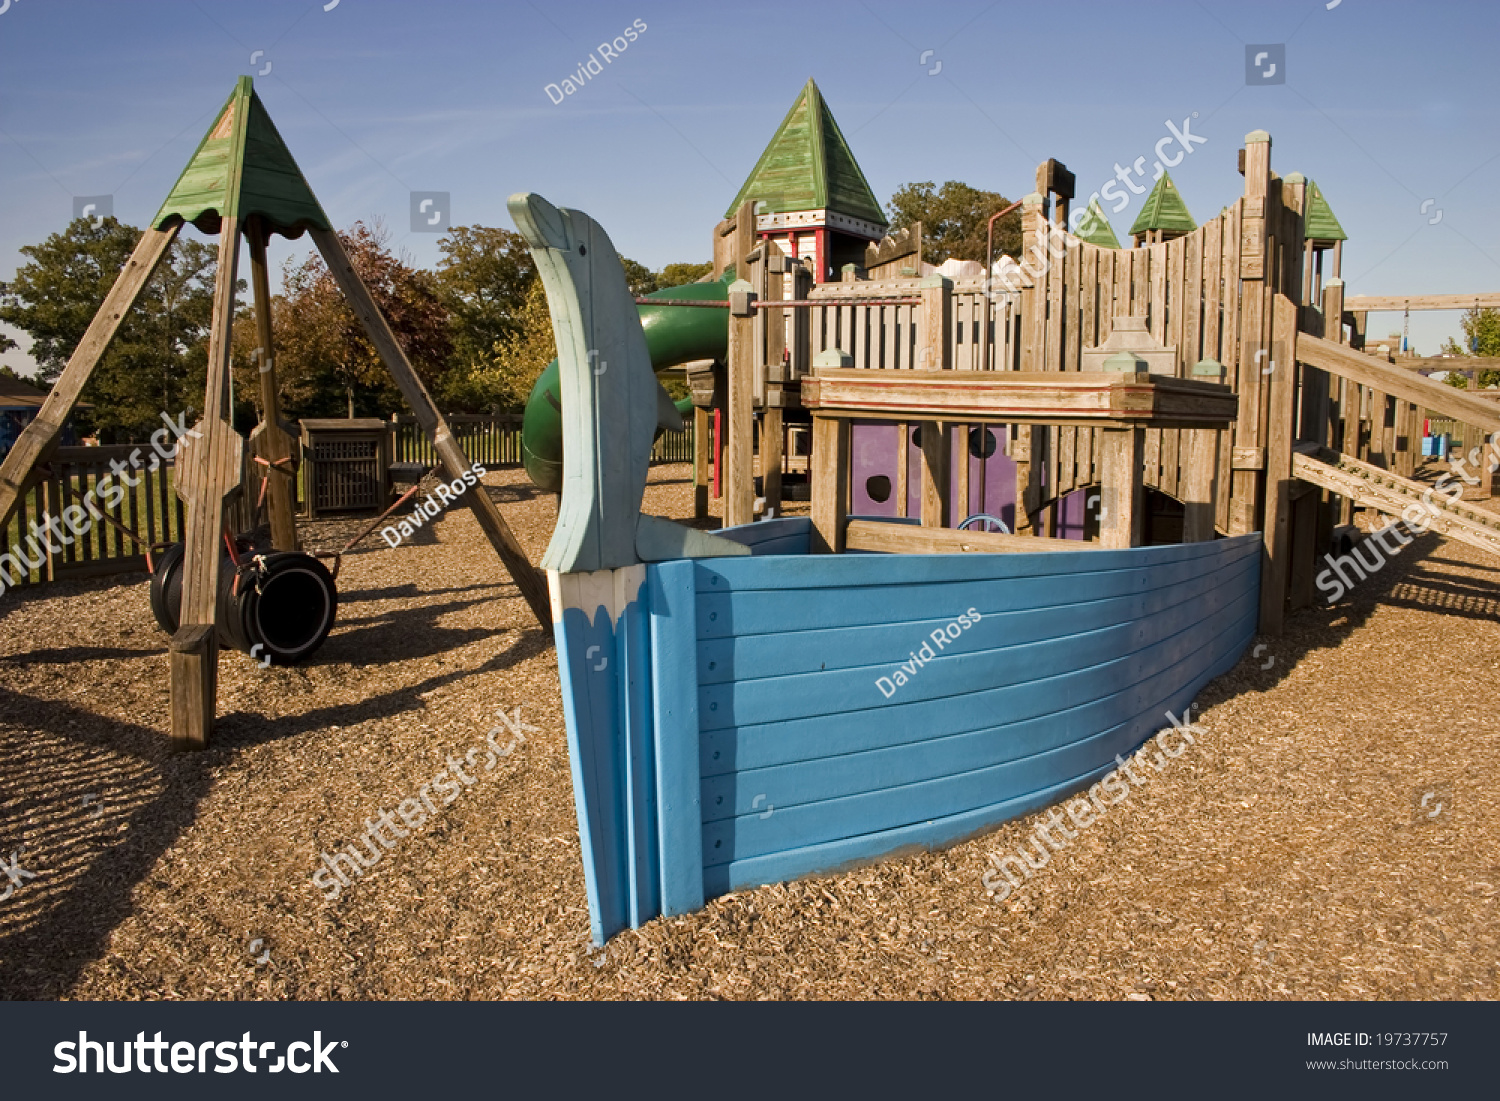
(1385, 105)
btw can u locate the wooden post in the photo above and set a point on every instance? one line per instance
(1202, 467)
(1122, 517)
(1028, 441)
(194, 666)
(1275, 569)
(934, 353)
(1245, 488)
(771, 434)
(270, 440)
(829, 472)
(528, 578)
(702, 461)
(208, 471)
(39, 438)
(1333, 398)
(739, 494)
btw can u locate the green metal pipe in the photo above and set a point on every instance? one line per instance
(673, 337)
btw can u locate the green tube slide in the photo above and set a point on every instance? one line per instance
(674, 335)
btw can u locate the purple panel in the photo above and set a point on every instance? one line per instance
(873, 445)
(1071, 513)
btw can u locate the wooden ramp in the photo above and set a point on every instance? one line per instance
(1372, 487)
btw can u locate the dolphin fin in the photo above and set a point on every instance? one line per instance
(658, 540)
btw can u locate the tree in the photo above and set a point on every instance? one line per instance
(1481, 329)
(954, 220)
(483, 279)
(503, 378)
(156, 362)
(676, 275)
(325, 365)
(638, 277)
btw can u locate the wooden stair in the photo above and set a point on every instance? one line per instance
(1372, 487)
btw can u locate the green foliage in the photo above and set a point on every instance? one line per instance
(954, 220)
(157, 361)
(324, 362)
(677, 275)
(1481, 328)
(638, 277)
(502, 379)
(483, 279)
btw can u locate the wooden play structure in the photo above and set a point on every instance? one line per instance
(792, 696)
(1252, 298)
(241, 181)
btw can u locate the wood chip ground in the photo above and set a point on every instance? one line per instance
(1332, 833)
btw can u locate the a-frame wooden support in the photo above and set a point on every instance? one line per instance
(225, 191)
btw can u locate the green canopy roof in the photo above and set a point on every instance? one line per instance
(1319, 223)
(1164, 210)
(242, 167)
(808, 166)
(1094, 228)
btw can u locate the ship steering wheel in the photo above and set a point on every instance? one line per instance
(990, 523)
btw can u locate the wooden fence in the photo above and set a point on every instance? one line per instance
(494, 441)
(152, 510)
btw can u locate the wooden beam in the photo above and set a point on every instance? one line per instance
(527, 577)
(1365, 303)
(270, 441)
(702, 461)
(39, 438)
(937, 453)
(739, 494)
(1275, 534)
(208, 474)
(1020, 397)
(1442, 399)
(194, 666)
(1198, 484)
(830, 483)
(1122, 517)
(885, 537)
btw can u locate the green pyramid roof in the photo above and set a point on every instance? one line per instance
(1164, 209)
(808, 166)
(242, 167)
(1319, 223)
(1094, 228)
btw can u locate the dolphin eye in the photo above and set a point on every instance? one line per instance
(582, 251)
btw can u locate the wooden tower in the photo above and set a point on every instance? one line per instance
(811, 198)
(1323, 233)
(1164, 217)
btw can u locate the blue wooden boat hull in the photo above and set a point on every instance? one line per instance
(728, 725)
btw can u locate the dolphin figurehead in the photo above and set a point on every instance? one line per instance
(612, 403)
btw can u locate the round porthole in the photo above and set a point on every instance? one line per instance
(916, 436)
(982, 443)
(878, 487)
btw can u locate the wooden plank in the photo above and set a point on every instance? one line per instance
(702, 462)
(1277, 529)
(527, 578)
(1366, 303)
(888, 538)
(903, 467)
(937, 453)
(1199, 468)
(193, 664)
(1369, 371)
(1041, 397)
(830, 482)
(1211, 276)
(1159, 257)
(771, 434)
(270, 440)
(207, 474)
(1188, 327)
(38, 439)
(674, 706)
(1122, 518)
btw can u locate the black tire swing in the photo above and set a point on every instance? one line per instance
(278, 606)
